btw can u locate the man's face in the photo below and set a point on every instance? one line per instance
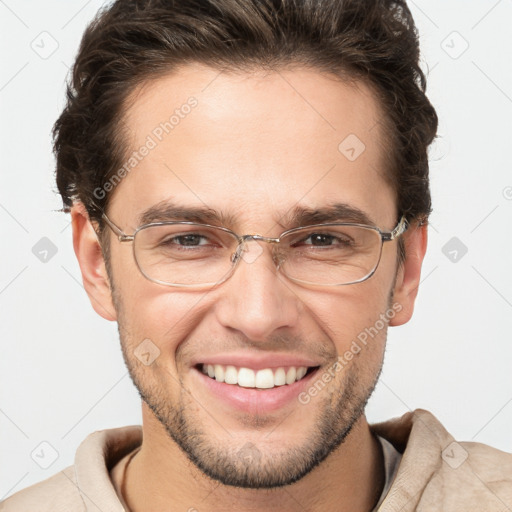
(254, 148)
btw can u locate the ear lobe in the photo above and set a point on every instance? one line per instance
(409, 274)
(92, 265)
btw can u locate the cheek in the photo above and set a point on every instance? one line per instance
(348, 312)
(147, 310)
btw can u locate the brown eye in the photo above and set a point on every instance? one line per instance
(189, 240)
(319, 239)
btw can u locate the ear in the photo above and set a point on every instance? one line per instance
(92, 265)
(409, 273)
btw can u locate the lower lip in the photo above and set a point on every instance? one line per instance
(253, 400)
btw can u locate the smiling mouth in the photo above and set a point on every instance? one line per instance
(266, 378)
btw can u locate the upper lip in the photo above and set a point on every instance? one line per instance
(256, 362)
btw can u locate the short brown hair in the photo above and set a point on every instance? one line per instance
(132, 41)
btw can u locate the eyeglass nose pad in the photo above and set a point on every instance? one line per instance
(235, 257)
(278, 256)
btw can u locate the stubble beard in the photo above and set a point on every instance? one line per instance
(247, 466)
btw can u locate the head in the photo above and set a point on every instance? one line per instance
(261, 114)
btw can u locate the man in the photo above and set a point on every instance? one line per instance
(248, 185)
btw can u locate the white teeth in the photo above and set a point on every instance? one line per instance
(231, 375)
(265, 379)
(247, 378)
(280, 377)
(219, 373)
(301, 372)
(291, 375)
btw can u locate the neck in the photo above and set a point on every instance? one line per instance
(160, 477)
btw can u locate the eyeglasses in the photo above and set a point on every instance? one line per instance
(188, 254)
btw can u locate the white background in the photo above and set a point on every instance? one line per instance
(61, 370)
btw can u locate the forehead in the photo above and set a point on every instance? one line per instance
(252, 144)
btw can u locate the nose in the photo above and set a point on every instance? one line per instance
(257, 300)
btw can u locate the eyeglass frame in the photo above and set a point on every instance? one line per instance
(386, 236)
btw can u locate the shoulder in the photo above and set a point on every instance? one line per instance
(85, 485)
(471, 477)
(489, 460)
(490, 463)
(59, 493)
(484, 465)
(436, 472)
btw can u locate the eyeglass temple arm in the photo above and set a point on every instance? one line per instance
(123, 237)
(400, 228)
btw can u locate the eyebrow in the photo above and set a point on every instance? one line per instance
(167, 210)
(337, 212)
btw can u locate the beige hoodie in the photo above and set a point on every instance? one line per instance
(435, 472)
